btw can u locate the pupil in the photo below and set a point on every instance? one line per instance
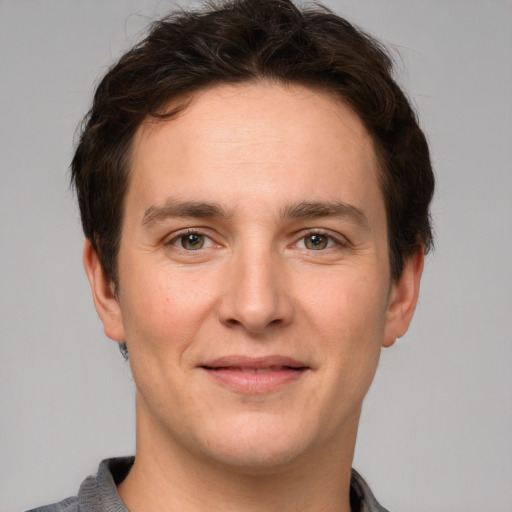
(316, 242)
(192, 241)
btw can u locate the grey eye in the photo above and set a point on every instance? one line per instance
(192, 241)
(316, 242)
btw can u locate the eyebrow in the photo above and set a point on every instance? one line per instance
(302, 210)
(174, 208)
(311, 210)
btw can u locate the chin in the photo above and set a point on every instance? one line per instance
(263, 460)
(258, 445)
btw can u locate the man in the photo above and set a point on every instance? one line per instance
(254, 192)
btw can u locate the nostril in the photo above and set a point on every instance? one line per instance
(250, 305)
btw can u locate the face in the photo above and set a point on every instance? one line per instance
(254, 282)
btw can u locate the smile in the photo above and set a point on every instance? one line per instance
(257, 370)
(254, 376)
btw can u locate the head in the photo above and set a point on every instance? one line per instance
(254, 189)
(251, 41)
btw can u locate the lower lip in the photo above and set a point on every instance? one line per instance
(255, 383)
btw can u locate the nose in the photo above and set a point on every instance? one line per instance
(256, 293)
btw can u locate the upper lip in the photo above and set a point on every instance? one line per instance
(247, 362)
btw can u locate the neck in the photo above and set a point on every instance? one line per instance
(168, 477)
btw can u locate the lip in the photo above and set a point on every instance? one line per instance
(254, 375)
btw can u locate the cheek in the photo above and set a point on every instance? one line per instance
(349, 319)
(345, 302)
(163, 309)
(163, 314)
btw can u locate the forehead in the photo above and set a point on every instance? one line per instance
(269, 140)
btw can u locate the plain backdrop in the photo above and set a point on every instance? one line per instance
(436, 430)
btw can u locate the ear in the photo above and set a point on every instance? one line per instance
(103, 294)
(403, 298)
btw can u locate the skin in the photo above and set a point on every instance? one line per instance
(262, 154)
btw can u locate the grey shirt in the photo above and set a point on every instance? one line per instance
(98, 493)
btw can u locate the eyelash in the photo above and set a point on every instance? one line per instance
(335, 241)
(339, 242)
(184, 233)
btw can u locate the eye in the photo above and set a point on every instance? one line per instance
(317, 242)
(191, 241)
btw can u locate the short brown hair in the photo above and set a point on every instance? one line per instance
(239, 41)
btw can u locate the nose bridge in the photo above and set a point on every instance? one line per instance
(256, 292)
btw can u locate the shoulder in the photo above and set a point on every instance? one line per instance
(67, 505)
(361, 497)
(98, 493)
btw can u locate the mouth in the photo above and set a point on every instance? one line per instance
(248, 375)
(270, 369)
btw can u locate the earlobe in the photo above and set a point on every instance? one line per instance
(103, 294)
(403, 298)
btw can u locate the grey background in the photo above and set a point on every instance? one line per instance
(436, 430)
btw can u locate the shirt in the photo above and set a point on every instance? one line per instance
(98, 493)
